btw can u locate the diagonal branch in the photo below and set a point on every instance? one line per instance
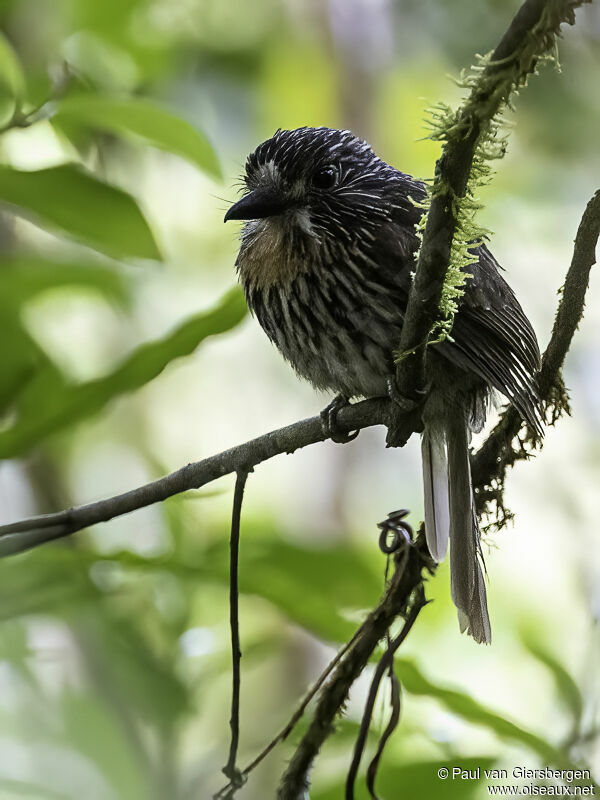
(531, 35)
(17, 537)
(497, 453)
(403, 597)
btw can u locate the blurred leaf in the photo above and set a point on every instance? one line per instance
(15, 649)
(566, 687)
(15, 788)
(34, 583)
(145, 119)
(21, 357)
(12, 80)
(470, 710)
(69, 198)
(65, 405)
(312, 586)
(47, 381)
(419, 779)
(13, 642)
(123, 661)
(91, 729)
(24, 277)
(25, 369)
(119, 658)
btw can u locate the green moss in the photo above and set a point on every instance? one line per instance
(445, 124)
(490, 86)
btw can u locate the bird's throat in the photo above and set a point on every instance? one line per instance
(273, 252)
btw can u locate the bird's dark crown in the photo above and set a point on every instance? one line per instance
(324, 173)
(298, 153)
(315, 195)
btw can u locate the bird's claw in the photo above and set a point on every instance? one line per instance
(329, 422)
(404, 403)
(402, 413)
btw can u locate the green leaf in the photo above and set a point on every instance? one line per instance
(418, 779)
(144, 119)
(25, 368)
(14, 788)
(34, 583)
(21, 356)
(23, 277)
(312, 586)
(12, 81)
(470, 710)
(94, 729)
(146, 681)
(73, 200)
(65, 405)
(566, 687)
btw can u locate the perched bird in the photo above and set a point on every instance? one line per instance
(325, 260)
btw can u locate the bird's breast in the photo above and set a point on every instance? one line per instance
(335, 332)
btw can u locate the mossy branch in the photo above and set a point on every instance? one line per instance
(472, 136)
(505, 445)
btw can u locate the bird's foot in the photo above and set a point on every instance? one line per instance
(329, 422)
(402, 412)
(404, 403)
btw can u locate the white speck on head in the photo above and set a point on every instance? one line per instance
(269, 171)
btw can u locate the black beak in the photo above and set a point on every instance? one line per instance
(256, 205)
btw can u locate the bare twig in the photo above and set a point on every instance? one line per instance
(298, 713)
(18, 536)
(395, 702)
(230, 770)
(497, 454)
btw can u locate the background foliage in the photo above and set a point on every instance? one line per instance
(125, 354)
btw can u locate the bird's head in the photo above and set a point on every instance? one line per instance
(322, 183)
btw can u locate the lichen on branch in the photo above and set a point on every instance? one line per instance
(472, 136)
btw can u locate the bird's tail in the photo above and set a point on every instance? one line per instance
(450, 514)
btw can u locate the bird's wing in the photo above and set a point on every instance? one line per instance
(492, 333)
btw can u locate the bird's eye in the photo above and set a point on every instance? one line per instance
(325, 178)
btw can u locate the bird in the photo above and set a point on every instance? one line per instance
(326, 260)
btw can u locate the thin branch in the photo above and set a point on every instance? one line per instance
(18, 536)
(572, 303)
(298, 713)
(497, 454)
(396, 705)
(230, 770)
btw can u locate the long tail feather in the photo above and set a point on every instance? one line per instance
(467, 578)
(435, 489)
